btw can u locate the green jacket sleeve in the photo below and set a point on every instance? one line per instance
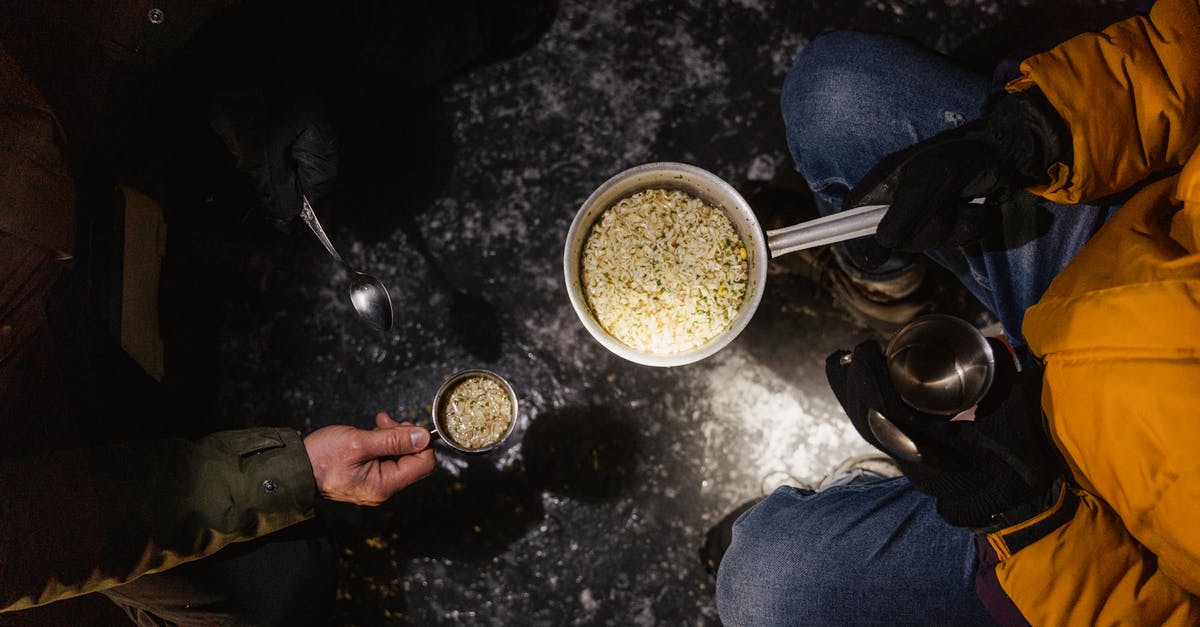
(81, 520)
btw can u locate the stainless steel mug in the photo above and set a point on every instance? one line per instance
(941, 364)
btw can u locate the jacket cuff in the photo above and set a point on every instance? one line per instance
(1013, 538)
(1033, 137)
(274, 479)
(1057, 170)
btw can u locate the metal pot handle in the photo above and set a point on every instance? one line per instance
(841, 226)
(830, 229)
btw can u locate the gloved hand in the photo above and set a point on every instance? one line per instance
(285, 145)
(988, 473)
(930, 184)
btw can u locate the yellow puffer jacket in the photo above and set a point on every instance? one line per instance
(1119, 333)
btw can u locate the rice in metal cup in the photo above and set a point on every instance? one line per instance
(441, 401)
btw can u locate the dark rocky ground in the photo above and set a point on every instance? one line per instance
(594, 512)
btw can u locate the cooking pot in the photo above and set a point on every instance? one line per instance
(760, 246)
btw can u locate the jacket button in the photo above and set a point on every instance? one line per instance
(268, 486)
(156, 16)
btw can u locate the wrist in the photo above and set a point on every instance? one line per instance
(1038, 515)
(1031, 136)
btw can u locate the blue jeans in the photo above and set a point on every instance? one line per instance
(873, 552)
(853, 98)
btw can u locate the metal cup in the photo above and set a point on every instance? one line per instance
(439, 415)
(940, 364)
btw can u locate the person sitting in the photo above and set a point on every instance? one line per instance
(1069, 498)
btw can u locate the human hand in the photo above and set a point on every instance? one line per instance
(368, 467)
(982, 472)
(930, 185)
(286, 149)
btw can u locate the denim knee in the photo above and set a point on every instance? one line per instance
(754, 582)
(829, 100)
(852, 98)
(870, 553)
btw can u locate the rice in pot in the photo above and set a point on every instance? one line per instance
(663, 272)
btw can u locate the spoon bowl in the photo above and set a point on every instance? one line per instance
(371, 300)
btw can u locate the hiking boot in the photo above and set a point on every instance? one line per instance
(720, 536)
(883, 306)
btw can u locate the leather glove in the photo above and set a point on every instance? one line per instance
(285, 149)
(986, 474)
(930, 184)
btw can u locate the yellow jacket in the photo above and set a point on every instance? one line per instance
(1119, 333)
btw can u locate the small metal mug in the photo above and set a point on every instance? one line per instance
(940, 364)
(439, 401)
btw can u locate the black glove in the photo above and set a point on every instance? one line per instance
(930, 184)
(285, 145)
(987, 473)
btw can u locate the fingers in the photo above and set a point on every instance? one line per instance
(867, 253)
(1005, 371)
(394, 441)
(315, 156)
(384, 421)
(280, 195)
(870, 352)
(844, 369)
(397, 474)
(921, 216)
(836, 365)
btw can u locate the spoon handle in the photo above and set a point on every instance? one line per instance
(310, 218)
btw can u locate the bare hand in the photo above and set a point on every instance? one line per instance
(368, 467)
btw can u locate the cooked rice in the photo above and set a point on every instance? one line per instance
(664, 272)
(477, 413)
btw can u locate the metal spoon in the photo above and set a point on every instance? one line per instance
(369, 296)
(897, 442)
(890, 436)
